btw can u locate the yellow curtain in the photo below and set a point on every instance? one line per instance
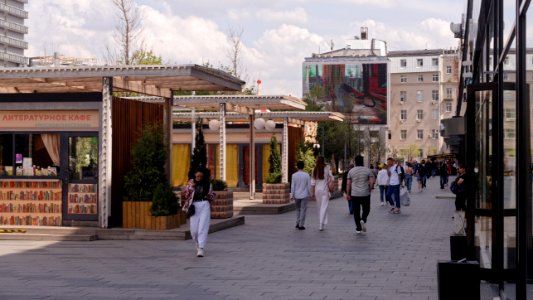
(181, 161)
(232, 164)
(266, 164)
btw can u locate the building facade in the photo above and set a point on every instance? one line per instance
(12, 31)
(423, 86)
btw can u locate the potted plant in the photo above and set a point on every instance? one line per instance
(275, 192)
(150, 202)
(222, 206)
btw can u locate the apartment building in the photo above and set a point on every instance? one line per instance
(423, 85)
(12, 31)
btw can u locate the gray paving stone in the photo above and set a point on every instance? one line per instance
(264, 259)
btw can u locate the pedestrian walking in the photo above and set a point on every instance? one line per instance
(300, 192)
(198, 197)
(421, 175)
(409, 173)
(393, 191)
(443, 173)
(383, 183)
(319, 189)
(359, 185)
(460, 192)
(343, 187)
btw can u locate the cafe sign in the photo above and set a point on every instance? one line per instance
(49, 120)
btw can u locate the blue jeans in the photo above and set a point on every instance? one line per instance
(408, 181)
(382, 191)
(394, 190)
(443, 181)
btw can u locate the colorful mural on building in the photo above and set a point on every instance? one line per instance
(357, 89)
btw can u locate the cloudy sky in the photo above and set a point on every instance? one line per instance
(276, 35)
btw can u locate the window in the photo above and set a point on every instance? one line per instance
(419, 134)
(435, 134)
(505, 76)
(434, 62)
(448, 106)
(435, 77)
(509, 133)
(29, 155)
(419, 62)
(420, 78)
(403, 78)
(403, 114)
(449, 92)
(419, 114)
(403, 63)
(403, 135)
(403, 96)
(419, 96)
(435, 95)
(506, 60)
(435, 114)
(510, 114)
(448, 69)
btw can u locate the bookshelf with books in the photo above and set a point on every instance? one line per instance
(30, 202)
(82, 199)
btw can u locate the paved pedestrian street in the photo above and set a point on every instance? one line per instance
(267, 258)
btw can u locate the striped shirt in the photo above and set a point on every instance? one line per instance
(359, 176)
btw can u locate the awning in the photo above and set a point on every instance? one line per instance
(155, 80)
(245, 104)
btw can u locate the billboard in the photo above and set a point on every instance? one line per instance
(357, 89)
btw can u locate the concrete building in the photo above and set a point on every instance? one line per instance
(423, 86)
(12, 31)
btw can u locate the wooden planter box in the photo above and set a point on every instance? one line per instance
(276, 193)
(136, 214)
(222, 206)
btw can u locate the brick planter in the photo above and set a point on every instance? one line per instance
(222, 206)
(276, 193)
(136, 214)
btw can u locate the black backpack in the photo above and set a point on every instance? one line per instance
(401, 175)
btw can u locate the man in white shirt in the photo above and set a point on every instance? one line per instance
(393, 189)
(300, 191)
(360, 183)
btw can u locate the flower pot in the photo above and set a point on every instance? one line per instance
(136, 214)
(222, 206)
(276, 193)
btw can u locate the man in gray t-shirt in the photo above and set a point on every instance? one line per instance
(360, 183)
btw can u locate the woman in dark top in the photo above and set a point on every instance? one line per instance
(199, 193)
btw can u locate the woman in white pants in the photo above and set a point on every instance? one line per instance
(319, 183)
(199, 193)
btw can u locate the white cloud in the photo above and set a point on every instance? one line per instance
(297, 15)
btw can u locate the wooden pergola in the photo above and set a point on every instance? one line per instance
(158, 80)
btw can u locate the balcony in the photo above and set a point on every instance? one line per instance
(14, 27)
(13, 42)
(14, 11)
(13, 58)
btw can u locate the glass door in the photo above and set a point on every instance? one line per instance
(491, 159)
(80, 202)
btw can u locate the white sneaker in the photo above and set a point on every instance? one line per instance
(382, 203)
(358, 232)
(200, 252)
(363, 226)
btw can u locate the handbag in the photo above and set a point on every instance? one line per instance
(191, 210)
(332, 185)
(404, 198)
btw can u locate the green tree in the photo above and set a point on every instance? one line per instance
(146, 57)
(199, 154)
(305, 154)
(275, 162)
(148, 165)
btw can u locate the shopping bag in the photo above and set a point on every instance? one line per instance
(404, 198)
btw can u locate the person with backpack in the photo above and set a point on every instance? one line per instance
(396, 176)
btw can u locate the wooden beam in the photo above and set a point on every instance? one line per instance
(139, 87)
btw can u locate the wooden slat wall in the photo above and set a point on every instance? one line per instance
(296, 135)
(129, 118)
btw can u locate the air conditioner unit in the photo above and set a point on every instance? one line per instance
(433, 102)
(402, 121)
(429, 136)
(418, 120)
(401, 102)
